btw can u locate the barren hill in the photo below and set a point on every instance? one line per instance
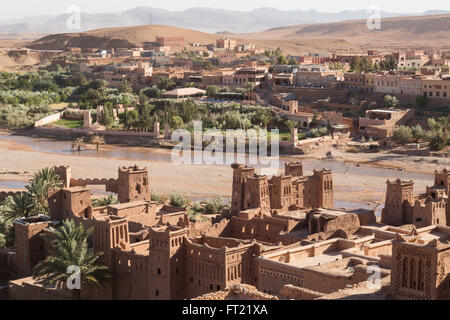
(433, 30)
(120, 37)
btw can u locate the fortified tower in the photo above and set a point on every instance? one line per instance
(257, 193)
(281, 196)
(166, 278)
(240, 175)
(29, 243)
(399, 201)
(442, 179)
(133, 184)
(109, 234)
(325, 192)
(294, 169)
(419, 270)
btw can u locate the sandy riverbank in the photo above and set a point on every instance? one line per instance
(18, 161)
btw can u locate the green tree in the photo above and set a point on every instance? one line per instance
(403, 135)
(176, 122)
(389, 63)
(15, 207)
(97, 140)
(281, 59)
(69, 245)
(437, 143)
(126, 87)
(418, 133)
(165, 83)
(390, 101)
(314, 121)
(179, 201)
(211, 91)
(290, 124)
(293, 61)
(355, 63)
(152, 92)
(108, 115)
(78, 144)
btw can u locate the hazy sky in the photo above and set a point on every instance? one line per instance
(23, 8)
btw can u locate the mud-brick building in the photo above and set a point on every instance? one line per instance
(403, 207)
(282, 193)
(420, 269)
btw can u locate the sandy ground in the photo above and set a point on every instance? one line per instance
(18, 162)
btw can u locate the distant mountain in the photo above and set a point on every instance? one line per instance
(428, 30)
(202, 19)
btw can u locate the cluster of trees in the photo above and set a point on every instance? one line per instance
(336, 66)
(182, 114)
(28, 203)
(364, 64)
(278, 57)
(437, 135)
(314, 132)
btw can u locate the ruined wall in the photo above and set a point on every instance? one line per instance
(110, 184)
(378, 248)
(130, 274)
(265, 229)
(328, 281)
(28, 289)
(210, 228)
(6, 194)
(272, 276)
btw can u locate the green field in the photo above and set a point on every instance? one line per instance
(69, 123)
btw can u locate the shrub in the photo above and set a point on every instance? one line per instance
(177, 200)
(158, 198)
(437, 143)
(214, 206)
(403, 135)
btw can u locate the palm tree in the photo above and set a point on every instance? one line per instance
(97, 140)
(38, 192)
(290, 124)
(50, 177)
(78, 144)
(70, 248)
(265, 119)
(18, 206)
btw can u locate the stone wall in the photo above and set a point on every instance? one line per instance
(111, 137)
(312, 94)
(49, 119)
